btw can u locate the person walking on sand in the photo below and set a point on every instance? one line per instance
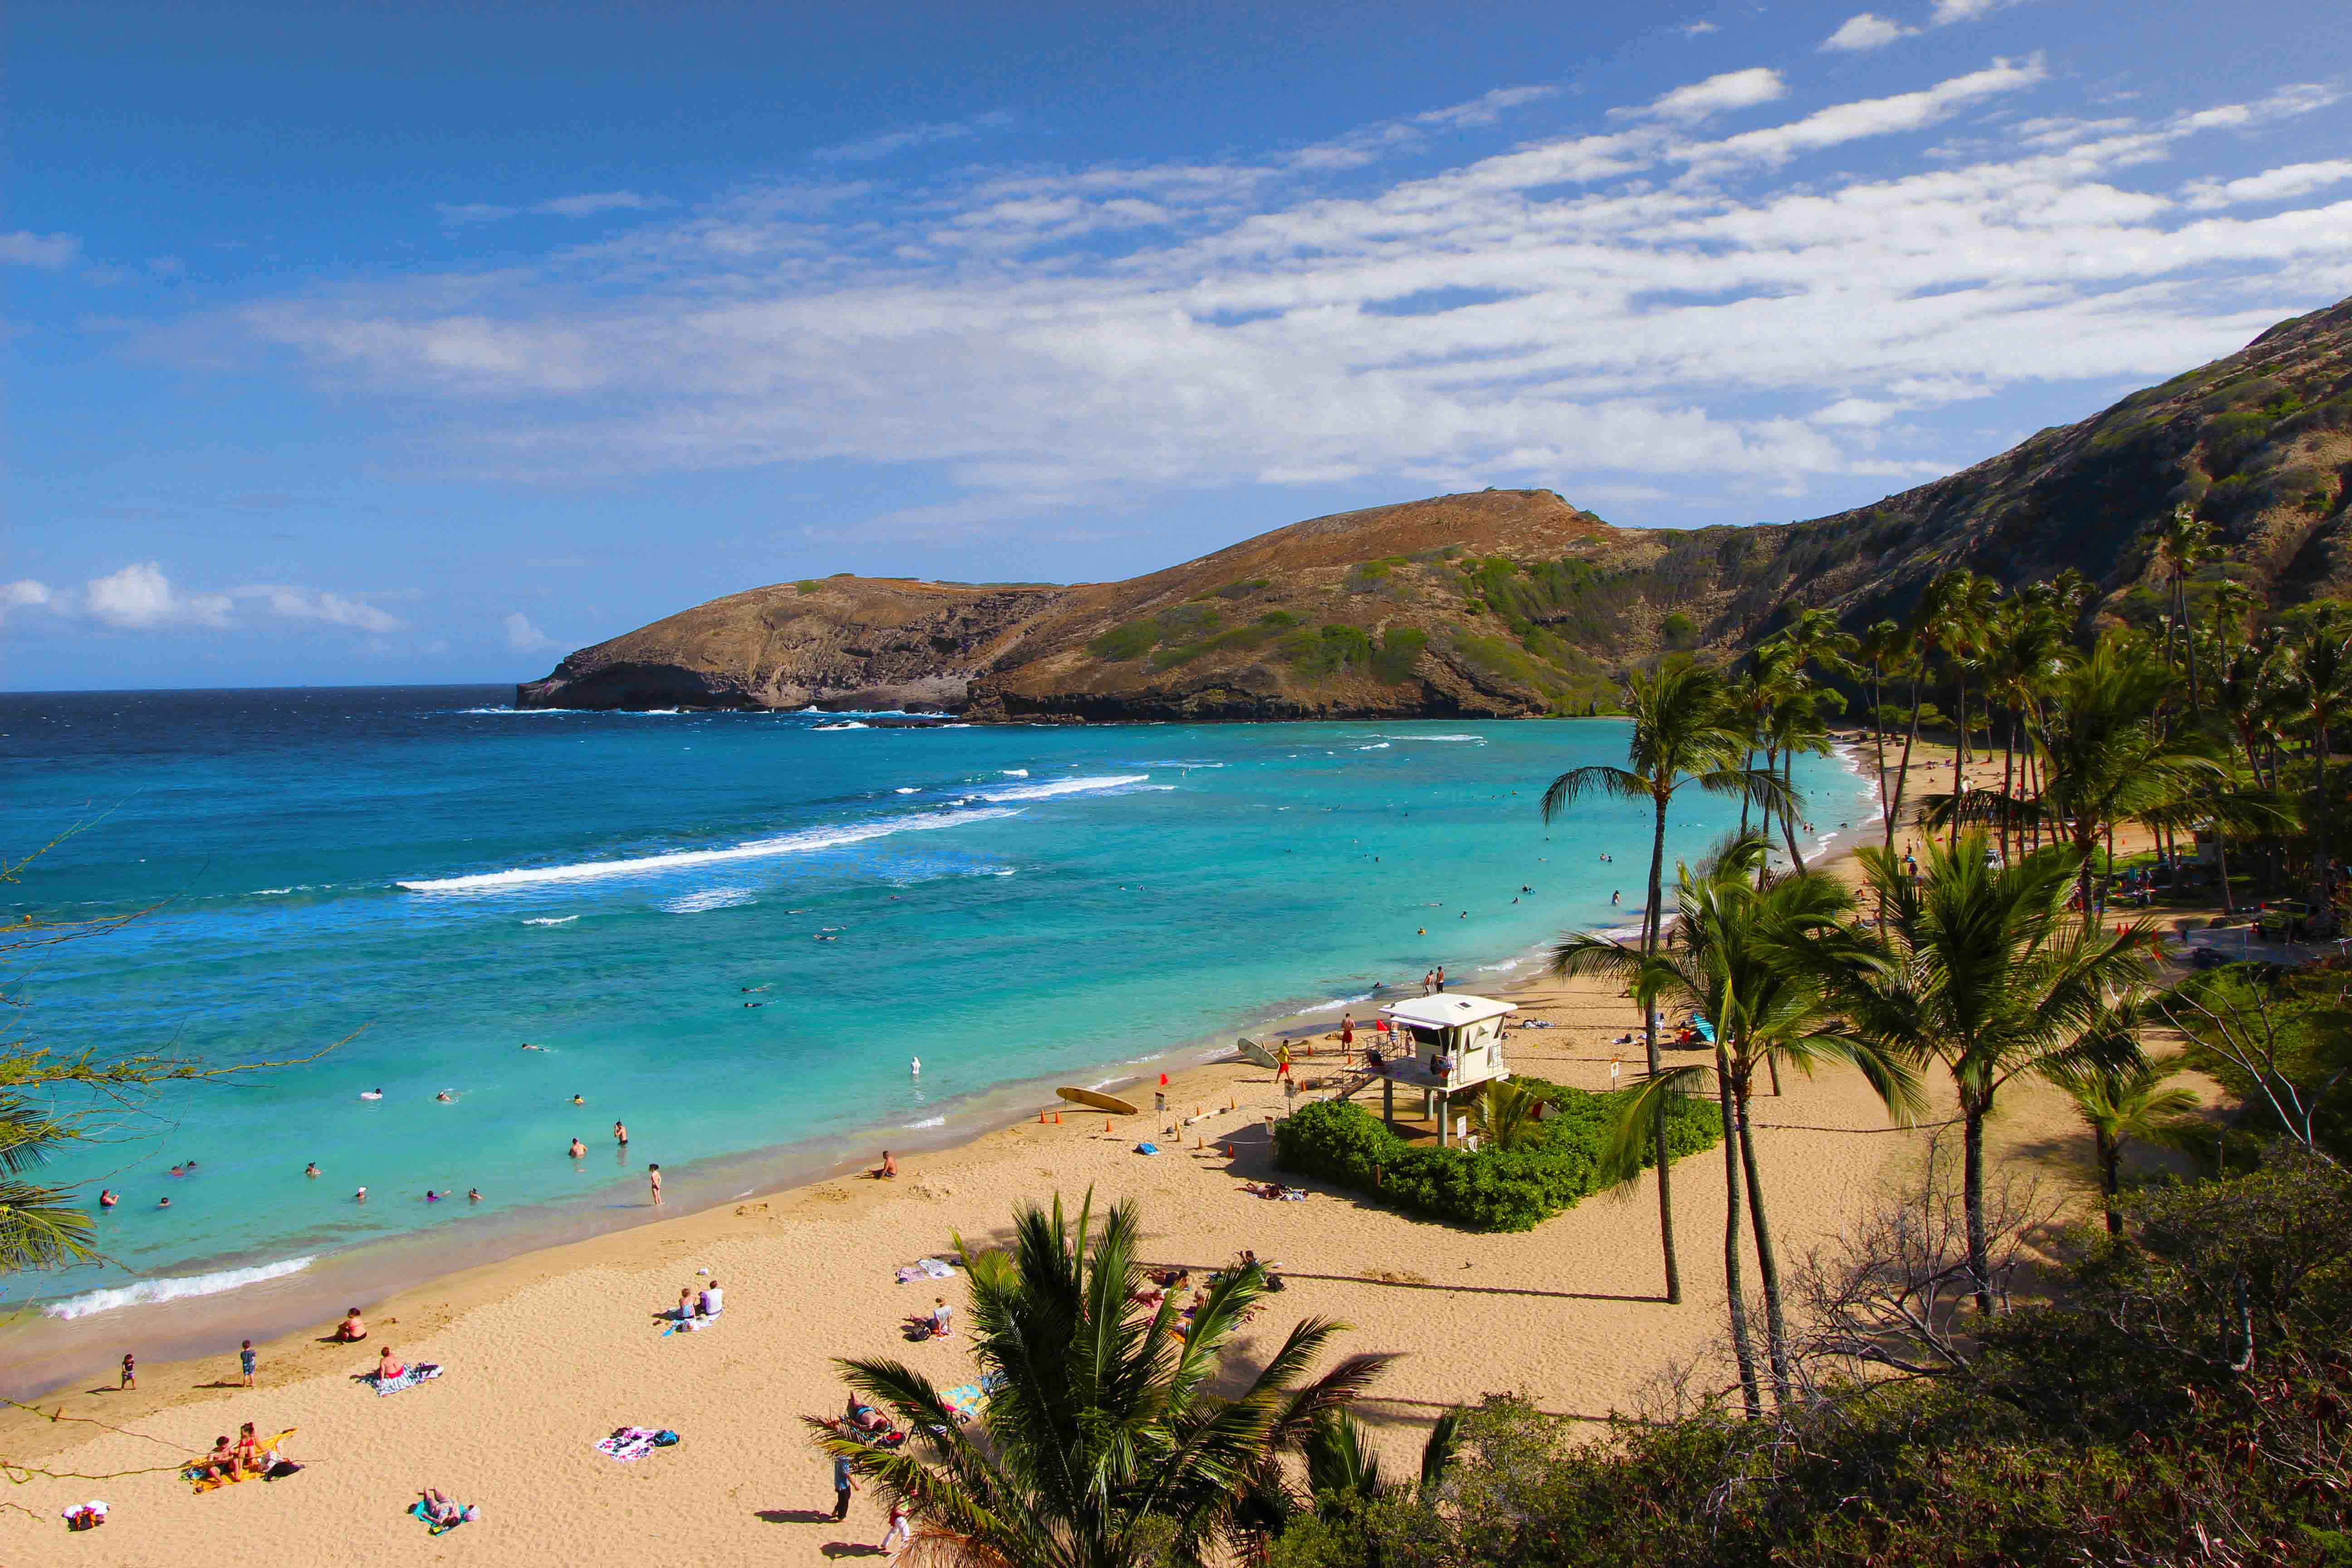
(844, 1483)
(1346, 1033)
(1282, 1060)
(130, 1371)
(1441, 980)
(1616, 1066)
(653, 1180)
(244, 1359)
(1428, 982)
(901, 1533)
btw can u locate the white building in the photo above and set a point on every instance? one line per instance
(1456, 1044)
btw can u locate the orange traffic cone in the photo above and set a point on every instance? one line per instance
(1105, 1123)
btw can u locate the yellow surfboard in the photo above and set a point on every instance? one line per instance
(1110, 1102)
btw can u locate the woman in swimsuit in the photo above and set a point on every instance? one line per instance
(388, 1370)
(353, 1328)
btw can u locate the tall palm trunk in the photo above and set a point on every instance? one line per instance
(1961, 750)
(1789, 818)
(1878, 736)
(1903, 771)
(1650, 1037)
(1775, 1327)
(2111, 1163)
(1972, 1200)
(1743, 1348)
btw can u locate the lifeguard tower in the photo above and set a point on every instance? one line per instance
(1455, 1043)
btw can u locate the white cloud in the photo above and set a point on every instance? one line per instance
(140, 596)
(1487, 108)
(1716, 95)
(1947, 12)
(302, 604)
(524, 638)
(1866, 31)
(2271, 185)
(1875, 117)
(586, 205)
(23, 593)
(1632, 308)
(1697, 29)
(889, 143)
(51, 252)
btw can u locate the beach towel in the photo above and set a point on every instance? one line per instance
(466, 1514)
(266, 1462)
(688, 1326)
(423, 1372)
(926, 1268)
(628, 1443)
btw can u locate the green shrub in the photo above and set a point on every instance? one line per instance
(1493, 1189)
(1278, 619)
(1679, 632)
(1400, 650)
(1132, 640)
(1320, 655)
(806, 585)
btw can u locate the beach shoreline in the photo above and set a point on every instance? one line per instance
(41, 1353)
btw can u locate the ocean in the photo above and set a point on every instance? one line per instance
(733, 931)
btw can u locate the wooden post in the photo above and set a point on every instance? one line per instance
(1388, 1100)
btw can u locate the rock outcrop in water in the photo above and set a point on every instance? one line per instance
(1510, 602)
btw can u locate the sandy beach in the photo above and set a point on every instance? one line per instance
(547, 1352)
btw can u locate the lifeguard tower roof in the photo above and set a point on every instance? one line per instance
(1448, 1010)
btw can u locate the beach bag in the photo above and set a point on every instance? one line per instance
(665, 1439)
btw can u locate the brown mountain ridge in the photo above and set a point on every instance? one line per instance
(1516, 602)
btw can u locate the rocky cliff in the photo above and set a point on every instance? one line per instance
(1506, 602)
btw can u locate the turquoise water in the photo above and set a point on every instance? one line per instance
(453, 881)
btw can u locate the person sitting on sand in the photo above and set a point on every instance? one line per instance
(940, 1313)
(248, 1451)
(352, 1329)
(708, 1303)
(388, 1367)
(686, 1303)
(887, 1171)
(221, 1461)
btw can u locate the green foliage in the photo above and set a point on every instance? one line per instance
(1679, 632)
(1132, 640)
(2231, 437)
(1493, 1189)
(1400, 650)
(1317, 656)
(1240, 590)
(807, 585)
(2126, 1415)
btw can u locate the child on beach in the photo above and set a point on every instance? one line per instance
(130, 1371)
(244, 1359)
(653, 1180)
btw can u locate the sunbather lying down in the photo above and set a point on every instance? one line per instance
(440, 1511)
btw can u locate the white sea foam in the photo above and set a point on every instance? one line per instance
(270, 892)
(1478, 740)
(852, 724)
(709, 898)
(908, 789)
(502, 712)
(552, 921)
(804, 842)
(1375, 746)
(926, 1121)
(1064, 786)
(1014, 772)
(145, 1291)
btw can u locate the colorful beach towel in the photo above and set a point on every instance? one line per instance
(423, 1372)
(466, 1514)
(266, 1452)
(690, 1325)
(926, 1268)
(628, 1443)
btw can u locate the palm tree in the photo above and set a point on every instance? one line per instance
(1101, 1435)
(1686, 733)
(2182, 544)
(2123, 1101)
(1745, 958)
(2316, 688)
(1962, 627)
(1981, 972)
(2107, 757)
(1882, 650)
(1506, 1115)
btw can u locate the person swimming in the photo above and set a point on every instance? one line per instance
(473, 1194)
(163, 1203)
(529, 1047)
(579, 1100)
(360, 1196)
(431, 1197)
(178, 1172)
(311, 1169)
(446, 1098)
(107, 1198)
(577, 1149)
(371, 1094)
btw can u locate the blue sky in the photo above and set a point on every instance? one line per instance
(375, 344)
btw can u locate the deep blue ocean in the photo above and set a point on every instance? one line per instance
(451, 880)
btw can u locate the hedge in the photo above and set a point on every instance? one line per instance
(1493, 1189)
